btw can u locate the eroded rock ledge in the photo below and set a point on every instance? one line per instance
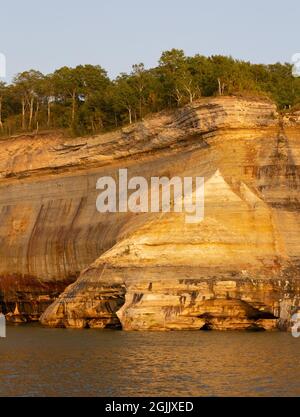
(186, 304)
(238, 269)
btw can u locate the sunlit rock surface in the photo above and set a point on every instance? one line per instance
(237, 269)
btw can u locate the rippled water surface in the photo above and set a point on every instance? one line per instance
(53, 362)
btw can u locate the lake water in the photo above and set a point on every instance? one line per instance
(51, 362)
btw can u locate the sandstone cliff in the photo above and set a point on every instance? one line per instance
(237, 269)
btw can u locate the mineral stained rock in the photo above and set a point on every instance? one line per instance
(236, 269)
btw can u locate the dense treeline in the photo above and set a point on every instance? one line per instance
(85, 101)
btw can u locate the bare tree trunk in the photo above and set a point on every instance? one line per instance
(191, 95)
(178, 96)
(49, 112)
(141, 107)
(73, 106)
(23, 114)
(189, 89)
(30, 112)
(130, 115)
(37, 111)
(220, 89)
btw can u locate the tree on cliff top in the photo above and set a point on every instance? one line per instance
(85, 100)
(28, 86)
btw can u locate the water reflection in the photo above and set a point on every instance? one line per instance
(51, 362)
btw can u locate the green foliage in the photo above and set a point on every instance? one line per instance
(84, 100)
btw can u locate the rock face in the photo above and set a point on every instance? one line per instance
(236, 269)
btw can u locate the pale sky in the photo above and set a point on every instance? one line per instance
(46, 35)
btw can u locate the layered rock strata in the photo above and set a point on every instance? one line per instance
(236, 269)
